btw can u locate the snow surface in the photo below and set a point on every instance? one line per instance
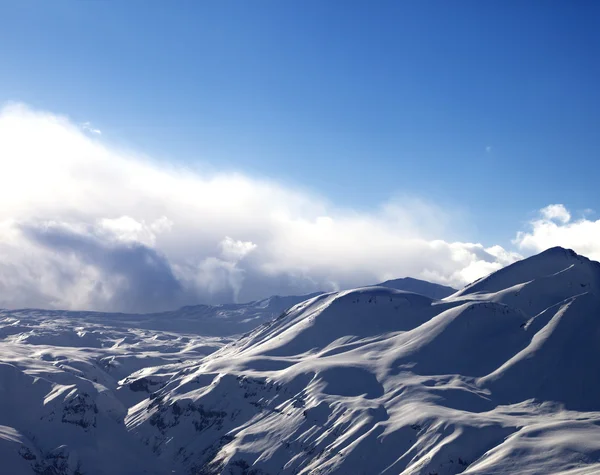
(501, 377)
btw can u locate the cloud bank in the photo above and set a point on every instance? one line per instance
(555, 226)
(84, 225)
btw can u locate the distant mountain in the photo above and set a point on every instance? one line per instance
(499, 378)
(228, 319)
(429, 289)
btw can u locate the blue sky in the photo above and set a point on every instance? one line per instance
(483, 105)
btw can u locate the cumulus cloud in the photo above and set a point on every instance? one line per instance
(555, 227)
(86, 225)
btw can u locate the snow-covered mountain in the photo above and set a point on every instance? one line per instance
(502, 377)
(429, 289)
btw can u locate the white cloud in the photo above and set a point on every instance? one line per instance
(555, 227)
(127, 229)
(488, 149)
(87, 126)
(556, 213)
(86, 225)
(234, 251)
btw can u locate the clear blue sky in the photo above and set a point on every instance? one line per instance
(357, 100)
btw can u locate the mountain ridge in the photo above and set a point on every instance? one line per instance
(423, 287)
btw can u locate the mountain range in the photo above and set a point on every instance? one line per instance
(404, 377)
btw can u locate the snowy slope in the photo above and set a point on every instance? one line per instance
(498, 378)
(67, 379)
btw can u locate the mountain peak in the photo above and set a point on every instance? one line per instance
(547, 263)
(558, 250)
